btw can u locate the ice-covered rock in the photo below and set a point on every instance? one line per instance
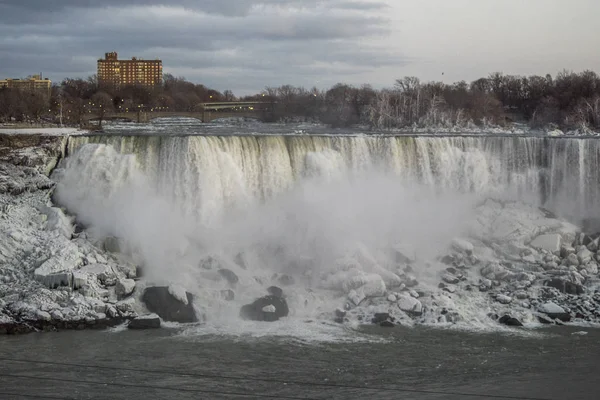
(572, 259)
(159, 300)
(80, 279)
(462, 245)
(410, 305)
(149, 321)
(178, 293)
(551, 308)
(103, 272)
(510, 321)
(126, 306)
(584, 255)
(58, 269)
(554, 311)
(58, 221)
(592, 268)
(124, 287)
(493, 271)
(449, 278)
(503, 299)
(256, 310)
(550, 242)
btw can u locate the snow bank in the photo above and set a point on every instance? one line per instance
(44, 131)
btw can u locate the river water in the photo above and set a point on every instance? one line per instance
(401, 363)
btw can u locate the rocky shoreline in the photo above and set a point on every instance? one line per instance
(518, 265)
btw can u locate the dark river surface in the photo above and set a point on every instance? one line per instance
(400, 363)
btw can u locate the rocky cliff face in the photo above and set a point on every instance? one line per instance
(49, 275)
(38, 151)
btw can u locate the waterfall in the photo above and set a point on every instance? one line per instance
(207, 175)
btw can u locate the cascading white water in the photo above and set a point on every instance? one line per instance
(209, 174)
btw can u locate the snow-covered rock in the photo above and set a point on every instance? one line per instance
(179, 293)
(584, 255)
(124, 287)
(270, 308)
(572, 259)
(58, 269)
(149, 321)
(58, 221)
(551, 308)
(503, 299)
(410, 305)
(462, 245)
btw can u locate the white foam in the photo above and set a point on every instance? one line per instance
(313, 331)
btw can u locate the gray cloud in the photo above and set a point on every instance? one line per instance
(236, 44)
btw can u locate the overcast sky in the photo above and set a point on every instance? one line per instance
(246, 45)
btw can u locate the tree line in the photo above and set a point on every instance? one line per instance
(568, 100)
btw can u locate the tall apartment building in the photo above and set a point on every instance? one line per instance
(112, 71)
(32, 83)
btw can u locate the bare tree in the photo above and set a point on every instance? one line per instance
(102, 103)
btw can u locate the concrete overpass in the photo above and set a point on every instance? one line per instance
(204, 112)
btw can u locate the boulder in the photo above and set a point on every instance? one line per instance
(584, 255)
(572, 259)
(277, 308)
(58, 221)
(449, 278)
(124, 287)
(159, 300)
(510, 321)
(462, 246)
(592, 268)
(339, 315)
(594, 245)
(125, 306)
(549, 242)
(275, 291)
(492, 270)
(103, 272)
(564, 286)
(503, 299)
(229, 276)
(554, 311)
(150, 321)
(57, 271)
(410, 305)
(378, 318)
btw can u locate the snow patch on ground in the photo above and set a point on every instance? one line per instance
(43, 131)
